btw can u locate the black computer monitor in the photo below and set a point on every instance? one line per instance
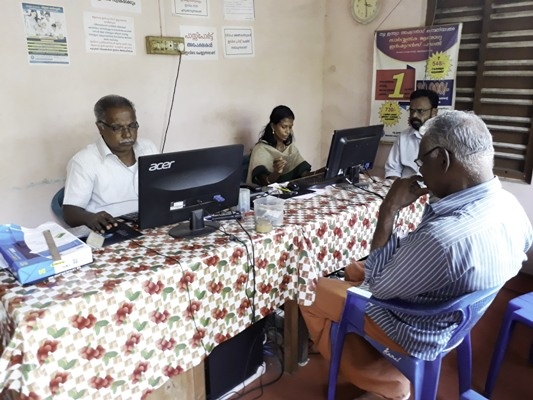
(185, 186)
(353, 151)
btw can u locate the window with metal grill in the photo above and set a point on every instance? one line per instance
(495, 73)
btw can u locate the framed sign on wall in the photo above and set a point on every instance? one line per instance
(409, 59)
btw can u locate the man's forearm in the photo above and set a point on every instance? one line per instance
(75, 216)
(403, 192)
(385, 224)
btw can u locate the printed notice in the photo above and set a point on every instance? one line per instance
(108, 34)
(46, 35)
(239, 10)
(191, 8)
(238, 41)
(119, 5)
(200, 42)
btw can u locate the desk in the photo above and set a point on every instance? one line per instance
(148, 309)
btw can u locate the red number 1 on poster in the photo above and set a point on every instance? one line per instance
(394, 84)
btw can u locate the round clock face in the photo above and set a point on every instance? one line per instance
(364, 11)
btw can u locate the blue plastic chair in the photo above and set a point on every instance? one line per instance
(57, 203)
(424, 375)
(519, 309)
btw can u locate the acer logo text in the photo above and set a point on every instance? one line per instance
(160, 166)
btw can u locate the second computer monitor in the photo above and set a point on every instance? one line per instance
(352, 151)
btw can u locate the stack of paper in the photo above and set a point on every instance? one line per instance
(36, 254)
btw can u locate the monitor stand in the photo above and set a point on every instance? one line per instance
(353, 176)
(196, 226)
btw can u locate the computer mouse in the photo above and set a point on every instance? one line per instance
(111, 231)
(293, 186)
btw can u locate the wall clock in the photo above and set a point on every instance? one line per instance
(364, 11)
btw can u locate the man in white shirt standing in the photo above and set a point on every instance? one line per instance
(401, 160)
(102, 178)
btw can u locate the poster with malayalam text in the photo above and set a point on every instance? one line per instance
(238, 41)
(111, 34)
(409, 59)
(200, 42)
(191, 8)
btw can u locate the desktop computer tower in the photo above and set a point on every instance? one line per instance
(234, 361)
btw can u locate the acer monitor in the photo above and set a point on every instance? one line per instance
(352, 151)
(183, 187)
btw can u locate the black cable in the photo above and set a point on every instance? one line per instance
(249, 260)
(261, 385)
(276, 379)
(171, 105)
(354, 186)
(244, 377)
(367, 174)
(371, 192)
(251, 263)
(186, 286)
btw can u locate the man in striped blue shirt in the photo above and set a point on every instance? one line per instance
(473, 237)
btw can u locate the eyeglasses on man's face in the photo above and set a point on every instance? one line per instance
(419, 161)
(419, 111)
(119, 128)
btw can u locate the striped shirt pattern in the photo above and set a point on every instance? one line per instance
(471, 240)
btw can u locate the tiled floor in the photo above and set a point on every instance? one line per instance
(515, 381)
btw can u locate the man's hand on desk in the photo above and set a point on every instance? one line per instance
(102, 222)
(98, 222)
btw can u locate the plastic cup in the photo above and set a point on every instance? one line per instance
(269, 208)
(244, 200)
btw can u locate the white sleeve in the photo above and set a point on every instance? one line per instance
(393, 166)
(79, 184)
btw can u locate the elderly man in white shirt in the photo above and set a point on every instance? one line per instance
(401, 160)
(102, 178)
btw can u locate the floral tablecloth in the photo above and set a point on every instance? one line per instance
(150, 308)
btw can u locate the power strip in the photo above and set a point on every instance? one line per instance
(261, 370)
(224, 217)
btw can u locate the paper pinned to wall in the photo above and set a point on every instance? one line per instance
(46, 34)
(238, 41)
(191, 8)
(105, 33)
(200, 42)
(120, 5)
(239, 10)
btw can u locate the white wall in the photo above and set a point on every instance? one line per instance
(310, 55)
(46, 111)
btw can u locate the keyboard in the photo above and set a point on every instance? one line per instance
(315, 181)
(131, 217)
(119, 234)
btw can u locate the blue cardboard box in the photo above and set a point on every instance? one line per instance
(26, 253)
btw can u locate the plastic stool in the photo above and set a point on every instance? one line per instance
(519, 309)
(472, 395)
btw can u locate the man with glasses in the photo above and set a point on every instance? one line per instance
(475, 236)
(102, 178)
(400, 162)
